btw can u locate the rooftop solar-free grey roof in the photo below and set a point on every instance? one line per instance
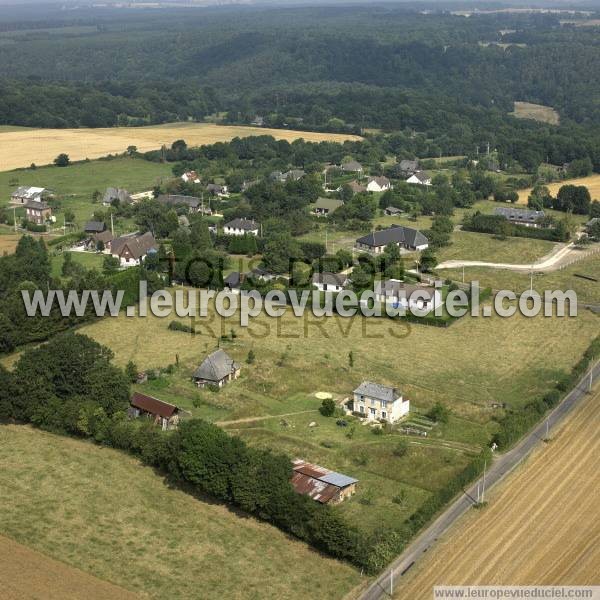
(377, 390)
(338, 479)
(519, 214)
(396, 234)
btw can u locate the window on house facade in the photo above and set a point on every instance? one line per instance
(383, 415)
(373, 411)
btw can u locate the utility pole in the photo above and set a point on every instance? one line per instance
(112, 225)
(64, 225)
(325, 240)
(15, 217)
(531, 279)
(591, 379)
(392, 581)
(463, 273)
(547, 426)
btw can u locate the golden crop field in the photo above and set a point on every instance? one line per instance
(541, 527)
(592, 183)
(537, 112)
(21, 148)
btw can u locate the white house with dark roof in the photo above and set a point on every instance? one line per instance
(378, 184)
(415, 298)
(217, 369)
(404, 237)
(420, 178)
(241, 227)
(329, 282)
(379, 402)
(132, 249)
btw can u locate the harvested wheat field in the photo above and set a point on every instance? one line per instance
(541, 527)
(27, 575)
(20, 149)
(8, 243)
(592, 183)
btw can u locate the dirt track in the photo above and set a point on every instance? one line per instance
(28, 575)
(542, 525)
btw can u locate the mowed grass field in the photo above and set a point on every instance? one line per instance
(22, 147)
(592, 183)
(537, 112)
(27, 574)
(541, 526)
(468, 367)
(467, 245)
(100, 511)
(568, 278)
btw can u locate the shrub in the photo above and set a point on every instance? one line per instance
(401, 448)
(327, 408)
(439, 413)
(179, 326)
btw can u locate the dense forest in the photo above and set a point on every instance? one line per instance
(347, 68)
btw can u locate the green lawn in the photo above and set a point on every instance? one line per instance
(481, 246)
(88, 260)
(75, 184)
(103, 512)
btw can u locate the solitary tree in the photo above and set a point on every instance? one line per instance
(62, 160)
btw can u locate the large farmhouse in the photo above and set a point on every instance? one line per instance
(404, 237)
(191, 203)
(320, 484)
(379, 402)
(217, 369)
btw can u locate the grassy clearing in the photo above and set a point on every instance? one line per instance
(565, 279)
(480, 246)
(86, 259)
(76, 184)
(41, 146)
(469, 366)
(537, 112)
(120, 521)
(592, 183)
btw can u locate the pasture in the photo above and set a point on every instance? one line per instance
(101, 511)
(541, 525)
(23, 147)
(468, 367)
(568, 278)
(592, 183)
(536, 112)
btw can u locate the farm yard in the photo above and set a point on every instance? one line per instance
(122, 523)
(471, 366)
(540, 526)
(22, 147)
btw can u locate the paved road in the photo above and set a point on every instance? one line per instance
(502, 465)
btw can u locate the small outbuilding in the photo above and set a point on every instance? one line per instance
(320, 484)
